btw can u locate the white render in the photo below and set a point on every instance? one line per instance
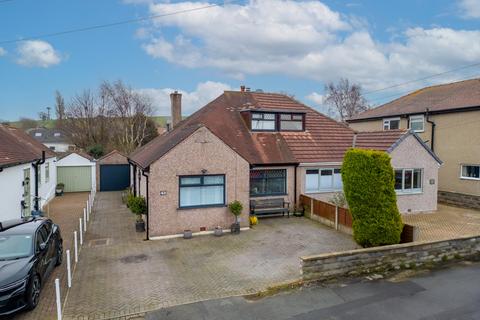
(58, 146)
(76, 160)
(11, 187)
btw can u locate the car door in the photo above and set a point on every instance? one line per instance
(40, 238)
(51, 250)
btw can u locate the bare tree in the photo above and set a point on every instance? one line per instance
(59, 105)
(345, 99)
(116, 117)
(131, 112)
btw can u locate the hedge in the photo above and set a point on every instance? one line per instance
(369, 187)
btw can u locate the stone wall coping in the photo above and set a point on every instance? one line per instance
(382, 248)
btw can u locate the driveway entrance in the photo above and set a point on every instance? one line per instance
(120, 274)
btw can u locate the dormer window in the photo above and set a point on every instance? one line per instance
(263, 121)
(38, 134)
(56, 134)
(291, 122)
(277, 121)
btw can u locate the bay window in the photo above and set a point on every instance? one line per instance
(471, 172)
(268, 182)
(321, 180)
(408, 180)
(202, 191)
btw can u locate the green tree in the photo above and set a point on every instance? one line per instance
(369, 186)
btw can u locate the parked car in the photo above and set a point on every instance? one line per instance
(30, 249)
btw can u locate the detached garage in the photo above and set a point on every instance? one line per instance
(77, 172)
(113, 172)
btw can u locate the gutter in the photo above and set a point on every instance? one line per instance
(432, 142)
(148, 207)
(35, 167)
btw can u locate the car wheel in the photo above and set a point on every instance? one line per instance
(59, 254)
(33, 292)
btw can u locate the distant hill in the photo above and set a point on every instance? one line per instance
(161, 121)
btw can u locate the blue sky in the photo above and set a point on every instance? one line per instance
(281, 46)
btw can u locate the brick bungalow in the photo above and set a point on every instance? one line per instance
(249, 145)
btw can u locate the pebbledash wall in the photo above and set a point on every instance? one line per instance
(410, 155)
(387, 258)
(201, 151)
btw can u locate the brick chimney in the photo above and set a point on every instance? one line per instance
(176, 103)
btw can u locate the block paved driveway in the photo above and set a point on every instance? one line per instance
(446, 223)
(64, 211)
(120, 274)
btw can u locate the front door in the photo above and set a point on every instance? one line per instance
(26, 210)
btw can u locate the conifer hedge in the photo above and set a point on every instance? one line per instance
(369, 187)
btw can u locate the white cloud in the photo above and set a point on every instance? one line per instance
(37, 53)
(2, 52)
(470, 8)
(191, 101)
(305, 39)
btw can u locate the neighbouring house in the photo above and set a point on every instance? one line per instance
(113, 172)
(55, 139)
(27, 174)
(249, 145)
(77, 171)
(447, 118)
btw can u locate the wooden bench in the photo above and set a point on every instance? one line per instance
(266, 207)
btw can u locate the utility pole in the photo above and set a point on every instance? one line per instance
(48, 113)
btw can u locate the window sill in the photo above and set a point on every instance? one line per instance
(407, 193)
(269, 195)
(467, 178)
(202, 207)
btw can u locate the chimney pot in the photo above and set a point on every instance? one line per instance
(176, 106)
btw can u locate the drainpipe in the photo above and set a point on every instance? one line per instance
(146, 199)
(432, 143)
(134, 176)
(35, 167)
(295, 186)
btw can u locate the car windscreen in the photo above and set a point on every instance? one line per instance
(15, 246)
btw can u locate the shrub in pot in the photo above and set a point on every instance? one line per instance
(138, 205)
(218, 231)
(235, 208)
(59, 189)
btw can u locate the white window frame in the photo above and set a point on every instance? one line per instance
(468, 165)
(411, 190)
(38, 134)
(321, 190)
(387, 121)
(417, 118)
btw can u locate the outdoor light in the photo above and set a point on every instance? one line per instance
(204, 171)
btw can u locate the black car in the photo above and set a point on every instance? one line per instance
(30, 248)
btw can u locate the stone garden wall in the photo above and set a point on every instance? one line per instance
(387, 258)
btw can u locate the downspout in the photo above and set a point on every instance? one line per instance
(295, 186)
(432, 143)
(146, 198)
(35, 167)
(134, 175)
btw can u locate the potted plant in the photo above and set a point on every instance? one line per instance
(59, 189)
(138, 205)
(236, 208)
(218, 231)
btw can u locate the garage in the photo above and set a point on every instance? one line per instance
(114, 177)
(113, 172)
(75, 179)
(76, 171)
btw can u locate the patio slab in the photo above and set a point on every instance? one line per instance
(447, 222)
(122, 274)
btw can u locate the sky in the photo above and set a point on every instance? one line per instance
(203, 48)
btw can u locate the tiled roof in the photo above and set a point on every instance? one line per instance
(49, 135)
(61, 155)
(18, 147)
(324, 139)
(440, 98)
